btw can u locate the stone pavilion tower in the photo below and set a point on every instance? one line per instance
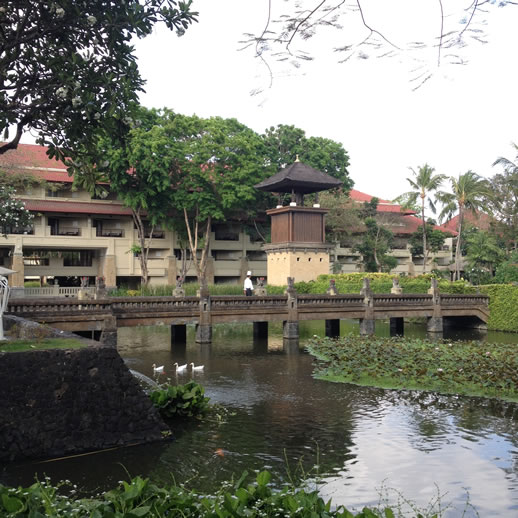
(298, 248)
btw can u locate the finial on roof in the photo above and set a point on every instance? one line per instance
(297, 158)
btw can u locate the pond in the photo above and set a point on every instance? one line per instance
(356, 443)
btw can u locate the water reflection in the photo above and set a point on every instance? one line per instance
(282, 419)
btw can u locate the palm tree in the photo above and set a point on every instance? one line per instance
(468, 193)
(423, 184)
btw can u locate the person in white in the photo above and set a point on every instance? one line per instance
(248, 287)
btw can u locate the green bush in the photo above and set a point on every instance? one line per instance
(139, 497)
(180, 400)
(503, 306)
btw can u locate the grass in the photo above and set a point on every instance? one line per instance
(467, 368)
(32, 345)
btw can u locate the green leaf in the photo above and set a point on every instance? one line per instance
(263, 478)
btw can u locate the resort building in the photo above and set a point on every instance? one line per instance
(75, 236)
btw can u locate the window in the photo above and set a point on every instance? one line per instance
(78, 258)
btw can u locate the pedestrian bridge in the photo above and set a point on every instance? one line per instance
(108, 314)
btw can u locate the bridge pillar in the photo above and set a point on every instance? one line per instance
(204, 326)
(333, 328)
(397, 326)
(290, 329)
(367, 323)
(178, 334)
(260, 330)
(109, 332)
(435, 325)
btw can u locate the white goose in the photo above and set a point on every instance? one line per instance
(158, 370)
(196, 368)
(180, 368)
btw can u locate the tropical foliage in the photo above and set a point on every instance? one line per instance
(468, 192)
(423, 184)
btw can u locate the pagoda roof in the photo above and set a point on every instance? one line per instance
(299, 178)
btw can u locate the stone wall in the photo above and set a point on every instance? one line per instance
(62, 402)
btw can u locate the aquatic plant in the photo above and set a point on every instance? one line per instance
(186, 400)
(469, 368)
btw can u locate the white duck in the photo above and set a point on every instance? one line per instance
(196, 368)
(180, 368)
(158, 370)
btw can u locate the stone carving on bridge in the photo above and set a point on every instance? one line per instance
(260, 289)
(179, 291)
(396, 288)
(332, 290)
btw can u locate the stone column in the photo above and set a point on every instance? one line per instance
(109, 271)
(435, 323)
(171, 270)
(260, 329)
(291, 326)
(204, 326)
(109, 332)
(209, 272)
(16, 279)
(367, 323)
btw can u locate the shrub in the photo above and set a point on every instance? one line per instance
(180, 400)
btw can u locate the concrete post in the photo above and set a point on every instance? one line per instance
(291, 326)
(204, 326)
(109, 332)
(367, 323)
(435, 324)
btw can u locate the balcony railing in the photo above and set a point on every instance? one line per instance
(65, 231)
(20, 230)
(110, 232)
(157, 234)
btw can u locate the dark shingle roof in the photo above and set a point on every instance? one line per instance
(299, 177)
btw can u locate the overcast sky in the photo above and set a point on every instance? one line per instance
(463, 118)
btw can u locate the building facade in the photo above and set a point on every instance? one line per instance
(74, 236)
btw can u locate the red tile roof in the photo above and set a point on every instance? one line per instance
(33, 159)
(76, 207)
(479, 220)
(383, 205)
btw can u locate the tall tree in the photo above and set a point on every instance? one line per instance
(468, 192)
(68, 69)
(284, 143)
(217, 163)
(484, 252)
(503, 200)
(376, 240)
(423, 183)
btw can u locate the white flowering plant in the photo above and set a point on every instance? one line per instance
(13, 214)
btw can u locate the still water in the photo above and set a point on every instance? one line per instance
(355, 442)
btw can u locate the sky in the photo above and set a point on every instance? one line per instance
(463, 118)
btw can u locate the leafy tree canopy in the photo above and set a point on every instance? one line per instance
(68, 69)
(284, 143)
(434, 240)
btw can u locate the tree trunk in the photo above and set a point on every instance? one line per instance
(425, 251)
(144, 250)
(199, 264)
(458, 247)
